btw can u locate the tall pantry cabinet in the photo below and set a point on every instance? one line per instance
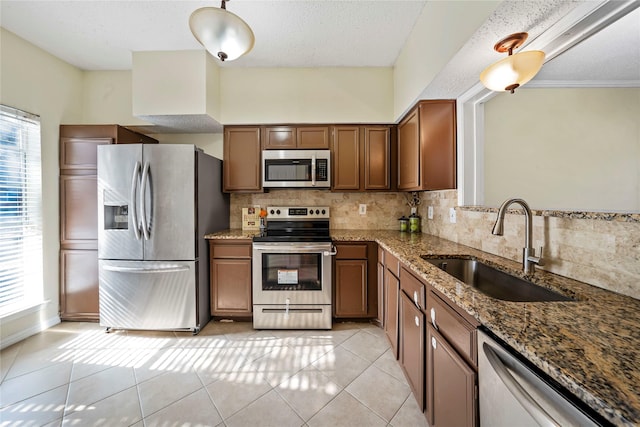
(79, 216)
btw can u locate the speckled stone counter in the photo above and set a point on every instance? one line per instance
(591, 346)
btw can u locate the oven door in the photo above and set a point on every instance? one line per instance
(292, 273)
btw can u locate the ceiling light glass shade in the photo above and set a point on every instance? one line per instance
(224, 34)
(512, 71)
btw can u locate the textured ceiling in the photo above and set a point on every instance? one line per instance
(101, 35)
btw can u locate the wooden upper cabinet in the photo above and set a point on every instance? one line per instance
(409, 152)
(81, 153)
(313, 137)
(346, 158)
(295, 137)
(279, 138)
(427, 147)
(242, 165)
(361, 158)
(377, 158)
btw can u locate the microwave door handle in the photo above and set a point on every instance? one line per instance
(132, 200)
(143, 211)
(313, 170)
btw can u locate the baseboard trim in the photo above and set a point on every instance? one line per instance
(19, 336)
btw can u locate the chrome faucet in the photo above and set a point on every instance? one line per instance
(529, 257)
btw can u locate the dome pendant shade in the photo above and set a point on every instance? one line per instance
(514, 70)
(222, 33)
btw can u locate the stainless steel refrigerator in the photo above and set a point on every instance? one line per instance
(156, 202)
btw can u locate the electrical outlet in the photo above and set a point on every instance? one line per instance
(362, 209)
(452, 215)
(430, 212)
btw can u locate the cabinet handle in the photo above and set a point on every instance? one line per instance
(417, 321)
(433, 318)
(434, 342)
(415, 299)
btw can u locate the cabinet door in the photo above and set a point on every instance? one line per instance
(241, 166)
(451, 383)
(346, 158)
(316, 137)
(377, 152)
(79, 285)
(392, 287)
(278, 138)
(79, 211)
(351, 288)
(80, 153)
(409, 152)
(412, 338)
(231, 287)
(438, 144)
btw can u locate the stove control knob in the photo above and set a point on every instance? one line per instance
(317, 211)
(271, 212)
(323, 212)
(278, 211)
(310, 211)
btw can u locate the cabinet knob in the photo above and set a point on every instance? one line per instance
(417, 319)
(433, 343)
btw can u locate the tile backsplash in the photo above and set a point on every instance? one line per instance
(604, 253)
(383, 209)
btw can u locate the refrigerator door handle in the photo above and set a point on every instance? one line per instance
(143, 211)
(171, 268)
(132, 200)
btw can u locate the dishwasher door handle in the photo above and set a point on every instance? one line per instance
(528, 403)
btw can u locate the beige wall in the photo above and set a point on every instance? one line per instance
(306, 95)
(564, 149)
(34, 81)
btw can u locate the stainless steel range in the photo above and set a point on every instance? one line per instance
(292, 270)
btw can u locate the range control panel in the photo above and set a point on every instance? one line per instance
(288, 212)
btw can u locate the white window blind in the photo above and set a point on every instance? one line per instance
(20, 210)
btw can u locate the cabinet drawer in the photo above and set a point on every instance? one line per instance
(460, 334)
(392, 264)
(414, 288)
(351, 252)
(230, 250)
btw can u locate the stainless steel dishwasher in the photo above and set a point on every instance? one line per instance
(512, 394)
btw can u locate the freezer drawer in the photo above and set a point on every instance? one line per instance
(148, 295)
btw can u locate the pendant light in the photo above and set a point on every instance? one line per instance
(514, 70)
(224, 34)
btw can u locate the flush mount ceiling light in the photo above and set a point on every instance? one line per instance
(224, 34)
(514, 70)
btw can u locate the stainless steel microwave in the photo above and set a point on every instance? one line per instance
(296, 168)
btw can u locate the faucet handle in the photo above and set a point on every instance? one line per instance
(540, 258)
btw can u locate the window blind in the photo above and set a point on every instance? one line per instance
(20, 210)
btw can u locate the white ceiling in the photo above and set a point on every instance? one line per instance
(101, 35)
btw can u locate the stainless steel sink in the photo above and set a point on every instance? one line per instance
(493, 282)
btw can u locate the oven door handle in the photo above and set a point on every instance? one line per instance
(290, 248)
(333, 252)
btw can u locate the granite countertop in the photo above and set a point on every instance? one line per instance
(591, 346)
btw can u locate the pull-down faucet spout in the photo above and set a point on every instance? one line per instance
(528, 253)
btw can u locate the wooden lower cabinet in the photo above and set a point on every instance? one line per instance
(230, 264)
(78, 284)
(355, 285)
(351, 288)
(452, 400)
(412, 353)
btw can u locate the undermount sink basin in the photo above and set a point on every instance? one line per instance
(493, 282)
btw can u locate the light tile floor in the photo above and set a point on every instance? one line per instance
(75, 374)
